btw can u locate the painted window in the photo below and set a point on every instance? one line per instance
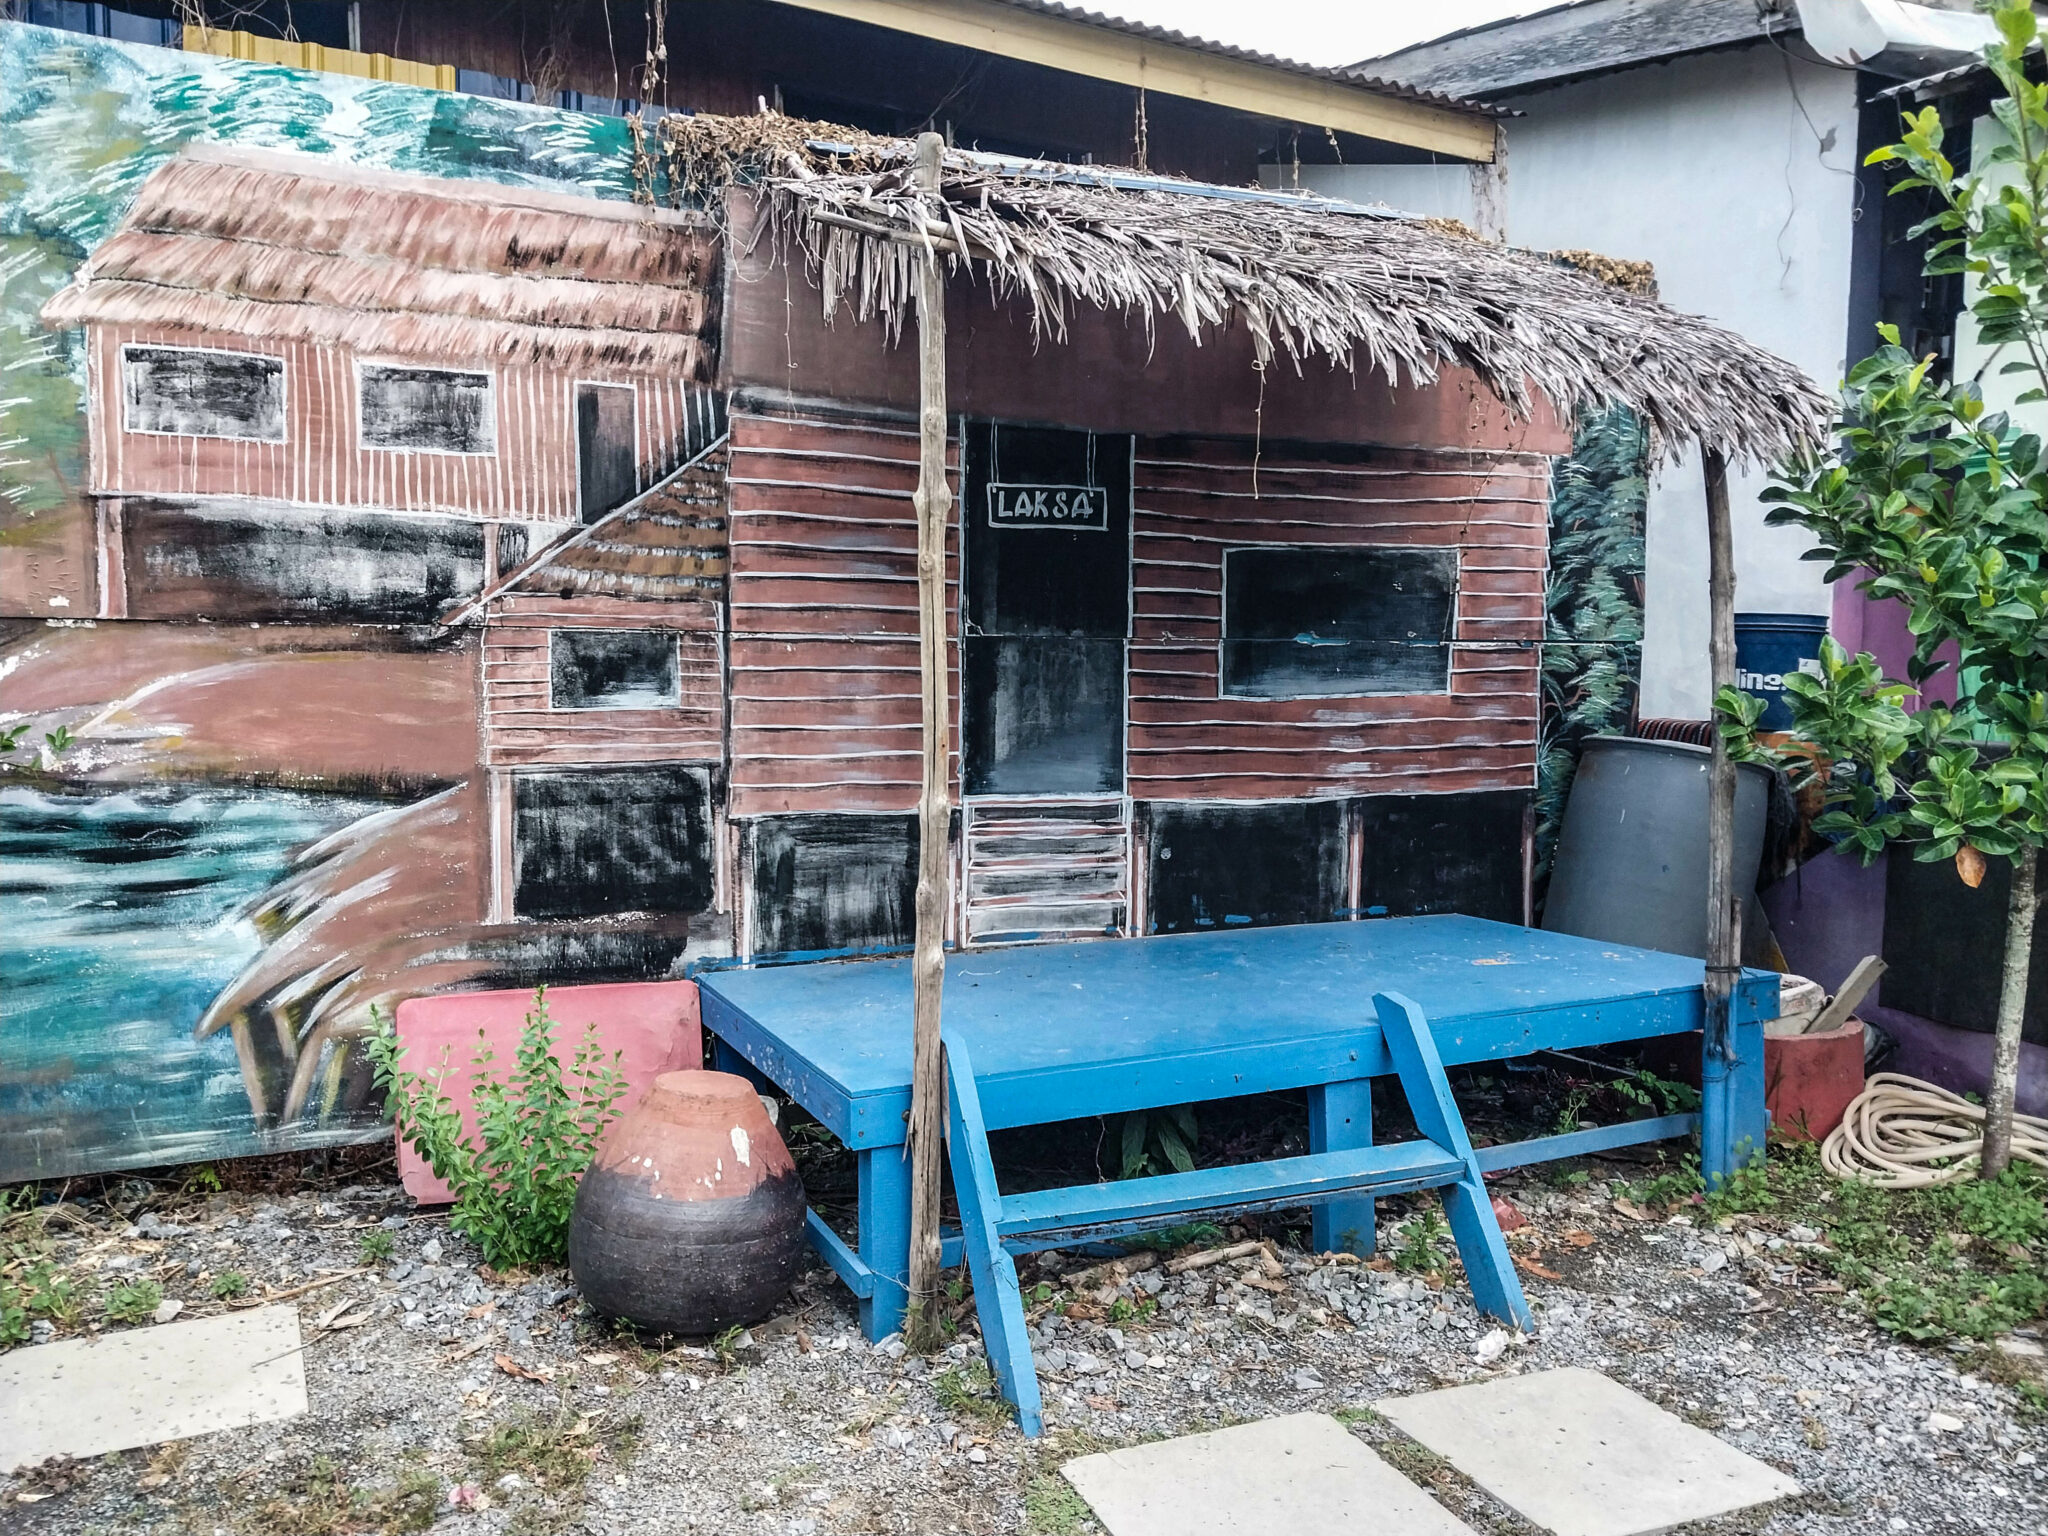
(600, 842)
(436, 410)
(613, 669)
(190, 392)
(1335, 623)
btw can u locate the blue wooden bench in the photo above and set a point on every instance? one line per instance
(1040, 1033)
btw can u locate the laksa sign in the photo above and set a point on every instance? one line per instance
(1084, 507)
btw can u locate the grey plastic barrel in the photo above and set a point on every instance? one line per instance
(1631, 862)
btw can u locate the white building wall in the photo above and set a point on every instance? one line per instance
(1733, 174)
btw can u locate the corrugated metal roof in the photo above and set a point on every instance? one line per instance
(1348, 75)
(1576, 39)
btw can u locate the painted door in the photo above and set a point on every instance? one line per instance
(1046, 617)
(606, 474)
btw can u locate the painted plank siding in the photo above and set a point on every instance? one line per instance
(531, 476)
(522, 730)
(824, 666)
(1195, 499)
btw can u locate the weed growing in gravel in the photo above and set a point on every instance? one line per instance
(969, 1392)
(134, 1301)
(1053, 1508)
(1964, 1260)
(553, 1454)
(1423, 1237)
(229, 1284)
(727, 1346)
(375, 1247)
(322, 1502)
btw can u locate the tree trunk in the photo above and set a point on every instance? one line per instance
(934, 501)
(2012, 1013)
(1724, 934)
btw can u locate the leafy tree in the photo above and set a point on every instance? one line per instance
(1943, 505)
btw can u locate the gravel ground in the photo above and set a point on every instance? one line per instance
(444, 1395)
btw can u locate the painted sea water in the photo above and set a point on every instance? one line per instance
(120, 919)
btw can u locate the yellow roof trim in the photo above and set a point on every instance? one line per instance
(1174, 70)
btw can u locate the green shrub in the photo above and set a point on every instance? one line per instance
(537, 1128)
(228, 1284)
(134, 1302)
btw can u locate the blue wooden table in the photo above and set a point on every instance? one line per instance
(1061, 1031)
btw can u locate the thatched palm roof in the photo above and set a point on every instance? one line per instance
(1304, 275)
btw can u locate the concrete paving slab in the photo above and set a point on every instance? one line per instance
(1581, 1455)
(147, 1385)
(1303, 1475)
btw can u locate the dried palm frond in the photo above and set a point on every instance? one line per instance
(1305, 276)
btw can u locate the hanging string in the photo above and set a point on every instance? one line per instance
(1258, 428)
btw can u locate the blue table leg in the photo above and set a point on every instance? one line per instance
(885, 1238)
(1339, 1119)
(1733, 1116)
(1467, 1205)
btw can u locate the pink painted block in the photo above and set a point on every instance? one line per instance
(653, 1025)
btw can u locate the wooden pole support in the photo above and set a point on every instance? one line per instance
(1724, 933)
(925, 1144)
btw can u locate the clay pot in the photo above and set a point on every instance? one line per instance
(1810, 1080)
(691, 1219)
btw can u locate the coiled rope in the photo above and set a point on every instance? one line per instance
(1899, 1128)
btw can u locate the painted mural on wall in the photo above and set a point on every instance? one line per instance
(304, 377)
(420, 568)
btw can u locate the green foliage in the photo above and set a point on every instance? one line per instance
(375, 1247)
(1944, 506)
(1167, 1239)
(1669, 1186)
(1053, 1508)
(1571, 1113)
(1658, 1095)
(726, 1347)
(1424, 1237)
(50, 1293)
(322, 1501)
(228, 1284)
(1924, 1264)
(1158, 1141)
(2008, 1209)
(1593, 627)
(969, 1392)
(1747, 1190)
(134, 1301)
(537, 1130)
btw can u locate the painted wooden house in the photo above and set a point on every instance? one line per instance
(1237, 634)
(321, 392)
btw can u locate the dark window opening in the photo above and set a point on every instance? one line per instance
(191, 393)
(594, 843)
(436, 409)
(1326, 622)
(833, 882)
(607, 470)
(613, 669)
